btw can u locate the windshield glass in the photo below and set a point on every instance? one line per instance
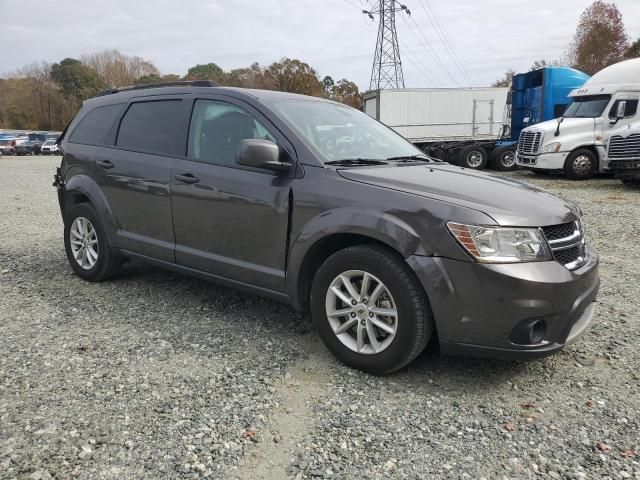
(51, 141)
(335, 132)
(589, 106)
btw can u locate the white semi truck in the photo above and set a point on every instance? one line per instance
(599, 131)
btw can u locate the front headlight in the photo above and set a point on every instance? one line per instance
(551, 148)
(501, 244)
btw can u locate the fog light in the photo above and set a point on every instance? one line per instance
(536, 331)
(529, 332)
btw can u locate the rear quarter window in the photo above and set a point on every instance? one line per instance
(95, 126)
(153, 126)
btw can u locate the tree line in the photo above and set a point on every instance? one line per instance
(600, 40)
(44, 96)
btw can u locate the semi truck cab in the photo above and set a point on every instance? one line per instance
(597, 130)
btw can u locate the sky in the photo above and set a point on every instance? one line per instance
(476, 42)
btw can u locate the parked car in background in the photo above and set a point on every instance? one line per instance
(7, 147)
(28, 147)
(317, 204)
(50, 147)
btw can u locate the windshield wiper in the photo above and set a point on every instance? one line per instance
(410, 158)
(347, 162)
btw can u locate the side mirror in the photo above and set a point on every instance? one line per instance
(622, 106)
(257, 153)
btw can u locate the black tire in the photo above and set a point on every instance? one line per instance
(505, 158)
(580, 164)
(473, 157)
(415, 321)
(108, 262)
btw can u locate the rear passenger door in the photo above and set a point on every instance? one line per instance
(135, 175)
(230, 220)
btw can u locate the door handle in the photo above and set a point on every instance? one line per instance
(187, 178)
(105, 164)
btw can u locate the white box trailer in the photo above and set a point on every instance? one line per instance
(445, 122)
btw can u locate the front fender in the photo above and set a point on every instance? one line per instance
(380, 226)
(84, 185)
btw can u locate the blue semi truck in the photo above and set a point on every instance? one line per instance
(475, 127)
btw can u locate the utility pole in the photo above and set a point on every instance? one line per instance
(387, 67)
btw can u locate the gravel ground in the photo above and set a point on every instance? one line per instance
(156, 375)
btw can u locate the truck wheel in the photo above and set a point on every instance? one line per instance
(580, 165)
(370, 310)
(473, 157)
(87, 245)
(505, 158)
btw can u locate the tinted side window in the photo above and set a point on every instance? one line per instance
(152, 126)
(95, 125)
(217, 128)
(629, 110)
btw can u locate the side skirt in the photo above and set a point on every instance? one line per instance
(227, 282)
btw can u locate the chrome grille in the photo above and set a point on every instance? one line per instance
(557, 232)
(567, 244)
(529, 142)
(625, 147)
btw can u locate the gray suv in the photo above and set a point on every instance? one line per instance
(318, 205)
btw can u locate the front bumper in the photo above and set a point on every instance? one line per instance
(478, 307)
(542, 161)
(626, 169)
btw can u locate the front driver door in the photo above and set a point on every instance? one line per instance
(229, 220)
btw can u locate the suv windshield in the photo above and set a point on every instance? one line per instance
(335, 132)
(589, 106)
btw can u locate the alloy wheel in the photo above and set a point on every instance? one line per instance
(361, 312)
(84, 242)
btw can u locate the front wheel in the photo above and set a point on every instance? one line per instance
(580, 165)
(370, 310)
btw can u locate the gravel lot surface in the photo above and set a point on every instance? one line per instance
(156, 375)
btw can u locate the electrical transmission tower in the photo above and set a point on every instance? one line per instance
(387, 67)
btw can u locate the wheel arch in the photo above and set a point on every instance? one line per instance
(318, 241)
(587, 146)
(82, 188)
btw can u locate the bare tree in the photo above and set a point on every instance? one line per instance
(117, 69)
(634, 50)
(505, 80)
(600, 39)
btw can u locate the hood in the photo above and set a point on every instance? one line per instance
(508, 202)
(568, 125)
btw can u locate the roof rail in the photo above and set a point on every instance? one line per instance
(179, 83)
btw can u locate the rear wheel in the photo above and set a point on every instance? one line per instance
(87, 245)
(505, 158)
(370, 310)
(580, 165)
(474, 157)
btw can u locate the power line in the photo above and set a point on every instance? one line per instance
(442, 34)
(427, 46)
(350, 2)
(420, 65)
